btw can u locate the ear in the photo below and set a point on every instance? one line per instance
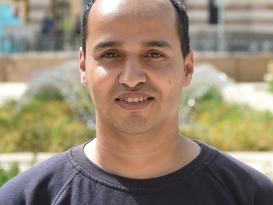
(83, 68)
(189, 68)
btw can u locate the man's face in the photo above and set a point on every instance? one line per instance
(134, 66)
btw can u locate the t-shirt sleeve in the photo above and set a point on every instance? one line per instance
(12, 192)
(245, 184)
(38, 185)
(265, 193)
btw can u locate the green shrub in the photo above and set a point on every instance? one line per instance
(47, 124)
(212, 95)
(41, 126)
(6, 175)
(229, 127)
(47, 93)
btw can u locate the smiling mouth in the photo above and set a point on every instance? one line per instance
(135, 99)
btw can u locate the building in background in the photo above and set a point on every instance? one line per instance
(33, 11)
(9, 16)
(19, 7)
(60, 17)
(245, 25)
(248, 13)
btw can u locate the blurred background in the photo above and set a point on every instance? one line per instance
(44, 109)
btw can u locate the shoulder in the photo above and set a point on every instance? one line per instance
(41, 181)
(240, 179)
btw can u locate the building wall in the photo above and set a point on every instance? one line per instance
(246, 12)
(21, 67)
(37, 9)
(237, 12)
(21, 6)
(76, 8)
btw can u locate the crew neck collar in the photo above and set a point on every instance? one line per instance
(92, 171)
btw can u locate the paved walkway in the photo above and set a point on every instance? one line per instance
(9, 91)
(255, 95)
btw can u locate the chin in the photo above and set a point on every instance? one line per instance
(134, 126)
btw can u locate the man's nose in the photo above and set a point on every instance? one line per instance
(132, 74)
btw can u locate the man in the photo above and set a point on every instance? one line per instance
(134, 61)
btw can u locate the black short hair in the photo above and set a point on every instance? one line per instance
(182, 25)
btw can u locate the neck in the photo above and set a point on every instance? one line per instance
(152, 155)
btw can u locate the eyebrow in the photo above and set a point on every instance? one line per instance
(155, 43)
(160, 44)
(107, 44)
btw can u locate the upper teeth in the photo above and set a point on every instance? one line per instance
(134, 99)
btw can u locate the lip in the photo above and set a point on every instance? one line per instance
(133, 94)
(134, 105)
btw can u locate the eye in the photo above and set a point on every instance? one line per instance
(110, 55)
(154, 54)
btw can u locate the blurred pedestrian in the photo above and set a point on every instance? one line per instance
(75, 37)
(77, 25)
(213, 12)
(47, 25)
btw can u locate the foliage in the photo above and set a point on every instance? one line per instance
(5, 175)
(44, 124)
(229, 127)
(47, 93)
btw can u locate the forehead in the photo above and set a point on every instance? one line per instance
(133, 7)
(141, 16)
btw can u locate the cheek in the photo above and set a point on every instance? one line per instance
(172, 71)
(100, 82)
(172, 86)
(97, 75)
(169, 80)
(172, 79)
(173, 96)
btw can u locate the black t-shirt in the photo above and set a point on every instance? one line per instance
(213, 178)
